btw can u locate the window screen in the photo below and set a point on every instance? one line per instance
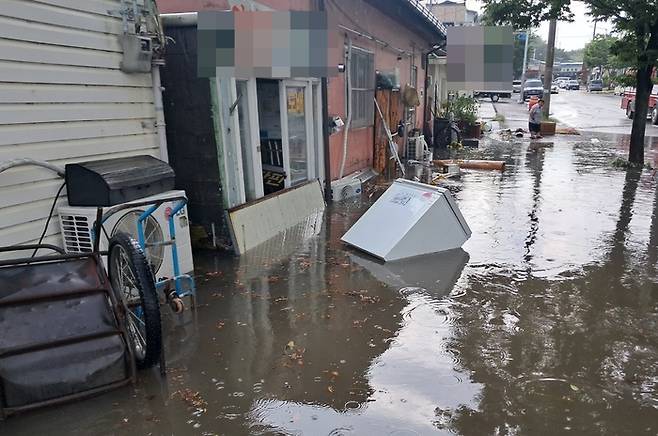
(362, 73)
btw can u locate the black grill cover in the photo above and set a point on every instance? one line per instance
(45, 311)
(114, 181)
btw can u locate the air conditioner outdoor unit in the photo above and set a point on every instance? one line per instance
(345, 188)
(76, 224)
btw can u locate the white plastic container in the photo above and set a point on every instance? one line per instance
(409, 219)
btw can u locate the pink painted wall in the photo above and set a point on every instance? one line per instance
(361, 16)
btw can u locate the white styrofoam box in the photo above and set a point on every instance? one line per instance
(409, 219)
(253, 223)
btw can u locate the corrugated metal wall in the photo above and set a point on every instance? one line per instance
(63, 99)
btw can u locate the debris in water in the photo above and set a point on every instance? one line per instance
(364, 298)
(566, 131)
(193, 399)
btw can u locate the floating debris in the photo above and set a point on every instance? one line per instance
(191, 398)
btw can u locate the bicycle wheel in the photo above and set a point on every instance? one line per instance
(132, 277)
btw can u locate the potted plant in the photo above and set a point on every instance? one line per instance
(464, 110)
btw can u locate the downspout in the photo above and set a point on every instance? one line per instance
(159, 112)
(348, 123)
(324, 89)
(427, 72)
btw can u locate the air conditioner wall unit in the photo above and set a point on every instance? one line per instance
(76, 225)
(345, 188)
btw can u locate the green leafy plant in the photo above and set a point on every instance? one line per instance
(463, 108)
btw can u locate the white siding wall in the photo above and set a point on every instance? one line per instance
(63, 99)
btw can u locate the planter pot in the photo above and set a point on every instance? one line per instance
(547, 128)
(473, 130)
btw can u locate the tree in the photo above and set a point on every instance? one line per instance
(636, 24)
(598, 52)
(536, 45)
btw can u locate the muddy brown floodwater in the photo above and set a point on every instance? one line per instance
(545, 323)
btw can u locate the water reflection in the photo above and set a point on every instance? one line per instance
(546, 322)
(577, 355)
(415, 368)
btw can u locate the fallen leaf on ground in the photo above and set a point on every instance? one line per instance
(193, 399)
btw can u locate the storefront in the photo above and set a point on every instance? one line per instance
(279, 137)
(235, 140)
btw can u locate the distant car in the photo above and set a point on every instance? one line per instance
(533, 87)
(516, 86)
(595, 85)
(555, 89)
(573, 84)
(561, 82)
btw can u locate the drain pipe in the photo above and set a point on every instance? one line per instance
(426, 62)
(159, 111)
(348, 123)
(324, 85)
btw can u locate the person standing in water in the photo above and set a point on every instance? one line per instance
(534, 122)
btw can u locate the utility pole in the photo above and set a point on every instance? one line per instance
(594, 33)
(548, 73)
(525, 64)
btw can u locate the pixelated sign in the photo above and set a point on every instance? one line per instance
(267, 44)
(480, 58)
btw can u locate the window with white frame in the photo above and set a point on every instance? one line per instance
(362, 74)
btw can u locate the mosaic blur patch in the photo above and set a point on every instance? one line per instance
(480, 58)
(267, 44)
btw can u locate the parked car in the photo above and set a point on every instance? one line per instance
(533, 87)
(493, 95)
(573, 84)
(555, 89)
(516, 86)
(619, 90)
(628, 103)
(562, 82)
(595, 85)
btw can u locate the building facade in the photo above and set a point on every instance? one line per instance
(65, 99)
(258, 135)
(452, 13)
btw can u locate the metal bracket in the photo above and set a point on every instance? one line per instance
(235, 104)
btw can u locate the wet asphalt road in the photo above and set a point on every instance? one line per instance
(591, 112)
(546, 323)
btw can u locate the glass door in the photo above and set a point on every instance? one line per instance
(296, 123)
(249, 127)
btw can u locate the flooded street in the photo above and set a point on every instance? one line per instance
(545, 323)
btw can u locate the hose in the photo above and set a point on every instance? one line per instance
(348, 123)
(27, 161)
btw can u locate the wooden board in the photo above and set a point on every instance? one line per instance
(391, 105)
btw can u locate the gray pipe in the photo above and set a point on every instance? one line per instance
(26, 161)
